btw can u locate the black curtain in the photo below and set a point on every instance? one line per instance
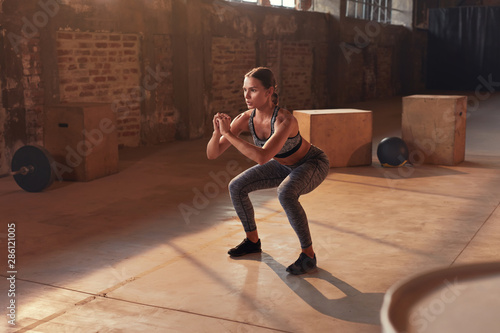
(463, 47)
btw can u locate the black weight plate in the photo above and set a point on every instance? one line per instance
(42, 175)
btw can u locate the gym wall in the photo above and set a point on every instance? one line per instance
(270, 39)
(167, 66)
(102, 67)
(3, 114)
(378, 60)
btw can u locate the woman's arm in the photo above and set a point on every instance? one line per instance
(258, 154)
(218, 144)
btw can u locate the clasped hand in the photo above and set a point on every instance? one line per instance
(222, 123)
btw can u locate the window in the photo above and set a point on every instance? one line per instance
(251, 1)
(274, 3)
(373, 10)
(283, 3)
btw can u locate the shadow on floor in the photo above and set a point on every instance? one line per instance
(356, 306)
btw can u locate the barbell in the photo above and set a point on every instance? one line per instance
(33, 168)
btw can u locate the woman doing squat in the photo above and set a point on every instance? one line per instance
(285, 160)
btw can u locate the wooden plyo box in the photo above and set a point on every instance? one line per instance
(433, 128)
(83, 140)
(345, 135)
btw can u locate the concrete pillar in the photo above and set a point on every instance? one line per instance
(188, 72)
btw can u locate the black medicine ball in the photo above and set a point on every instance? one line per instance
(392, 152)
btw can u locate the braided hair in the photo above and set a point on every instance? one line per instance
(266, 77)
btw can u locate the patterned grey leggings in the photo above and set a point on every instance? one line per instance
(292, 181)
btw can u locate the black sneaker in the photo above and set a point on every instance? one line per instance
(303, 265)
(245, 247)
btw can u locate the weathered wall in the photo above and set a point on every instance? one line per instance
(102, 67)
(375, 60)
(117, 52)
(167, 66)
(295, 45)
(320, 60)
(3, 113)
(21, 86)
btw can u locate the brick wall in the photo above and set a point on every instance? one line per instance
(231, 60)
(352, 85)
(370, 77)
(293, 65)
(296, 75)
(131, 71)
(372, 58)
(386, 87)
(291, 62)
(368, 74)
(103, 67)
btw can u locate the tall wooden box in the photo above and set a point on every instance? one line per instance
(345, 135)
(433, 127)
(83, 140)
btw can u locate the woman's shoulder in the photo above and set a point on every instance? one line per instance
(245, 115)
(241, 120)
(286, 119)
(284, 115)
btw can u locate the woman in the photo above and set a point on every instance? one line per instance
(285, 160)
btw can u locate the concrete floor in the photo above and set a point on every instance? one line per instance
(145, 250)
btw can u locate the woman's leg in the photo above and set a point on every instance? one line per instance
(303, 179)
(258, 177)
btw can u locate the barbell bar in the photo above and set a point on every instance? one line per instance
(23, 171)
